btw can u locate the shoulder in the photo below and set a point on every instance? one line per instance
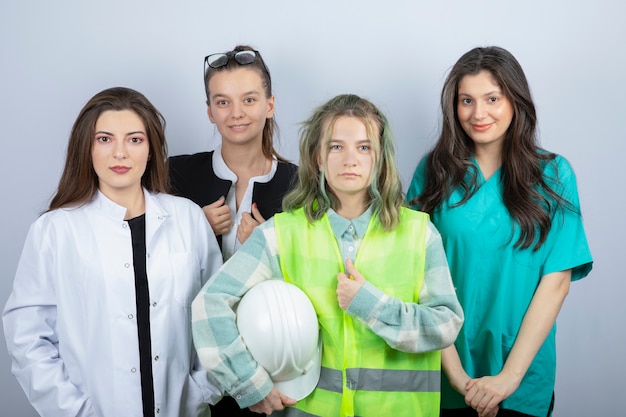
(175, 205)
(558, 169)
(191, 160)
(419, 178)
(409, 214)
(57, 221)
(286, 169)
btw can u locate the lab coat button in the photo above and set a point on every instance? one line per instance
(154, 304)
(130, 316)
(133, 370)
(126, 265)
(156, 358)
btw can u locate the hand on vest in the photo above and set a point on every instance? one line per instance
(219, 217)
(248, 222)
(349, 284)
(274, 401)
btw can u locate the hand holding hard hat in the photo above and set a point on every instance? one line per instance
(279, 326)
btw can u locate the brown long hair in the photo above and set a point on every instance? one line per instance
(79, 182)
(526, 195)
(258, 65)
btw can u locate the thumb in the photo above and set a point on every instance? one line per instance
(257, 214)
(219, 202)
(287, 400)
(353, 272)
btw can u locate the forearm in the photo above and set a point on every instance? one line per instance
(430, 324)
(408, 327)
(452, 366)
(537, 323)
(220, 349)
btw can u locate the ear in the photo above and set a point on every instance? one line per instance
(270, 108)
(210, 113)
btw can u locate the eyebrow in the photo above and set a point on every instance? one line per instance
(135, 132)
(247, 93)
(486, 94)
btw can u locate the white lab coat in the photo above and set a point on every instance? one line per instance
(70, 320)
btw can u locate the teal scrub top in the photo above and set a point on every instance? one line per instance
(495, 282)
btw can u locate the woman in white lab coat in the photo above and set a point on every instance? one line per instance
(98, 322)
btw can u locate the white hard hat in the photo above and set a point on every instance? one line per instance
(279, 326)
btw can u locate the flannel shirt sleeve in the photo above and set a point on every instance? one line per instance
(430, 324)
(220, 348)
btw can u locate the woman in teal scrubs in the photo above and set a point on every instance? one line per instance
(509, 215)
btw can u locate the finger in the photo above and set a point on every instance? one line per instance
(257, 214)
(342, 276)
(470, 384)
(287, 400)
(246, 218)
(354, 273)
(219, 202)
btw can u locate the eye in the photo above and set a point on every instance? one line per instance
(135, 139)
(249, 100)
(493, 99)
(335, 147)
(103, 139)
(364, 148)
(221, 103)
(466, 101)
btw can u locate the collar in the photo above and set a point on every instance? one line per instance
(340, 224)
(109, 208)
(222, 171)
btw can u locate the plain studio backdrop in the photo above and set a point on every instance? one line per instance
(56, 55)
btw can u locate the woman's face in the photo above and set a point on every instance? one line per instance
(484, 112)
(238, 105)
(120, 152)
(350, 159)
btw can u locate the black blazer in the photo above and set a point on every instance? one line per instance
(193, 177)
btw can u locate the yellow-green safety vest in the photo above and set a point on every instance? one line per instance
(361, 374)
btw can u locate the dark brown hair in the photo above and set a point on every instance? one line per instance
(79, 182)
(526, 195)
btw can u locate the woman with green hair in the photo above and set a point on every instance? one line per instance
(375, 272)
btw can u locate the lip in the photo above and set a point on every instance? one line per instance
(239, 126)
(120, 169)
(349, 175)
(481, 127)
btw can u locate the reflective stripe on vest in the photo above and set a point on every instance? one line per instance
(370, 380)
(361, 374)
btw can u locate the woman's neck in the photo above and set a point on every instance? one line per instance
(489, 160)
(244, 160)
(132, 199)
(351, 207)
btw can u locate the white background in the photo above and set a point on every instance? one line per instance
(55, 55)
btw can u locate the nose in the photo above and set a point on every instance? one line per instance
(479, 111)
(238, 112)
(120, 150)
(350, 157)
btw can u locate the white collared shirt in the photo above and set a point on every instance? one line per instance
(70, 322)
(230, 243)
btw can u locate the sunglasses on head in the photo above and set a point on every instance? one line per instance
(244, 57)
(241, 57)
